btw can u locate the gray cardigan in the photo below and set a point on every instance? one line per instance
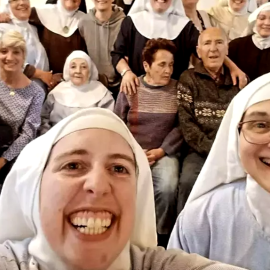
(146, 259)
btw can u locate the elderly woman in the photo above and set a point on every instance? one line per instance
(36, 57)
(20, 99)
(83, 194)
(80, 90)
(152, 117)
(230, 200)
(164, 19)
(232, 16)
(252, 53)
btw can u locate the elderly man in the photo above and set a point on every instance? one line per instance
(204, 94)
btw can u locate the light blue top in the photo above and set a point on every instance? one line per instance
(221, 227)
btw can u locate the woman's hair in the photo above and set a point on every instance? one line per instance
(153, 45)
(13, 39)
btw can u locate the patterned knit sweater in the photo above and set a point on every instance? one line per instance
(203, 102)
(151, 115)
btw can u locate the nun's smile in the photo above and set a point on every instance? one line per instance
(20, 9)
(88, 189)
(160, 6)
(238, 5)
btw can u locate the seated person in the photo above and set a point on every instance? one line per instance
(232, 16)
(204, 95)
(151, 116)
(80, 90)
(20, 99)
(100, 28)
(230, 200)
(252, 53)
(81, 197)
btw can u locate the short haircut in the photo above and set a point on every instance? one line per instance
(223, 34)
(153, 45)
(13, 39)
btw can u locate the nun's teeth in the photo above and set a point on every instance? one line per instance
(91, 225)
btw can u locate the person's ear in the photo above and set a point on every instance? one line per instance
(146, 66)
(198, 51)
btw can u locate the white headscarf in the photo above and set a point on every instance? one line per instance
(36, 54)
(223, 164)
(56, 18)
(154, 25)
(258, 40)
(250, 6)
(19, 201)
(206, 4)
(84, 96)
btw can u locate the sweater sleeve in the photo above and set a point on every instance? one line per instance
(46, 114)
(192, 133)
(120, 49)
(29, 128)
(160, 259)
(173, 142)
(122, 107)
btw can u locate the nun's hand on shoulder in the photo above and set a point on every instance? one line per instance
(240, 76)
(4, 18)
(129, 83)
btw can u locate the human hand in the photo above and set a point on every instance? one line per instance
(45, 76)
(3, 162)
(56, 79)
(129, 83)
(4, 18)
(237, 73)
(154, 155)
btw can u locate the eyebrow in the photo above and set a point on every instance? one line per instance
(123, 156)
(258, 113)
(81, 152)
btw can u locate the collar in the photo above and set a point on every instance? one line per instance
(223, 79)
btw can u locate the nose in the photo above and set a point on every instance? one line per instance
(78, 69)
(213, 47)
(9, 56)
(97, 182)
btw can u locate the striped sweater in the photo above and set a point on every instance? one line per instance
(151, 116)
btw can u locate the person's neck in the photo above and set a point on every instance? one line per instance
(104, 15)
(214, 72)
(147, 78)
(191, 12)
(12, 79)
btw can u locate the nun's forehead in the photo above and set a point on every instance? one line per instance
(257, 111)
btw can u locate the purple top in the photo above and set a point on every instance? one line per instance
(22, 112)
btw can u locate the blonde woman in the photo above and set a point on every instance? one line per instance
(20, 99)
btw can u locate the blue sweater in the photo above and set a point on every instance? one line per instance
(220, 226)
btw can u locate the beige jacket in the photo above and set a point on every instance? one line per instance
(232, 25)
(157, 259)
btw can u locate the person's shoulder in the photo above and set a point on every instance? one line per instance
(212, 203)
(173, 259)
(128, 22)
(240, 41)
(187, 76)
(35, 89)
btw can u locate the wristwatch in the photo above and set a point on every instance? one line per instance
(124, 72)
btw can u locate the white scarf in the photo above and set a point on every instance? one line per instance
(223, 164)
(56, 18)
(36, 54)
(154, 25)
(259, 41)
(250, 6)
(84, 96)
(19, 201)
